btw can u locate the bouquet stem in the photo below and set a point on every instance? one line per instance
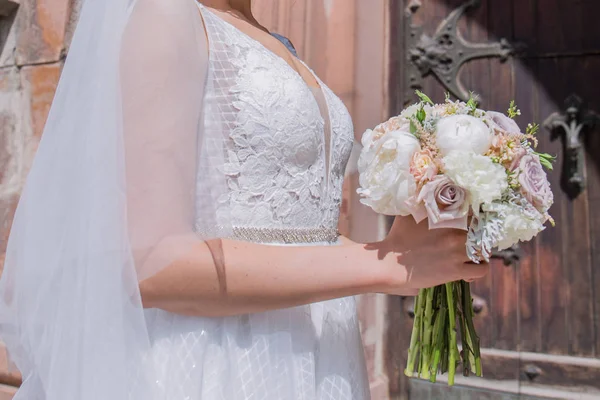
(473, 338)
(434, 340)
(452, 331)
(428, 328)
(413, 350)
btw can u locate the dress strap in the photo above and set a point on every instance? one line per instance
(287, 42)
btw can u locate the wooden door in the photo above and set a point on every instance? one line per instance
(539, 317)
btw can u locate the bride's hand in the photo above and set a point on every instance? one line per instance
(429, 257)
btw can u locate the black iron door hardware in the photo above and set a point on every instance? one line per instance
(444, 53)
(571, 124)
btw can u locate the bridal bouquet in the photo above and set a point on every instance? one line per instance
(458, 167)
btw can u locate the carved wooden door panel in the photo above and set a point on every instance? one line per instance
(539, 316)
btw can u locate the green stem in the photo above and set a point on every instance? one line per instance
(452, 329)
(414, 338)
(427, 336)
(475, 344)
(439, 342)
(470, 355)
(466, 304)
(445, 338)
(421, 330)
(466, 346)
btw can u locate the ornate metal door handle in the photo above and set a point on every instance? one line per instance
(443, 54)
(510, 256)
(573, 121)
(532, 371)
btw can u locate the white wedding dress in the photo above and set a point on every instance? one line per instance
(287, 149)
(171, 129)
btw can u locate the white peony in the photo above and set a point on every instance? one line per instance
(518, 223)
(485, 180)
(464, 133)
(385, 180)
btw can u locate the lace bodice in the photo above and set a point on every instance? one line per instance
(281, 168)
(272, 156)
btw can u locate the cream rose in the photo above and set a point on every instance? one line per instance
(385, 180)
(463, 133)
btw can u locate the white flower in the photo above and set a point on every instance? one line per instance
(411, 111)
(485, 180)
(385, 180)
(367, 138)
(519, 223)
(464, 133)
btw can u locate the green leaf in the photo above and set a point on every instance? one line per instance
(547, 156)
(546, 163)
(447, 94)
(472, 102)
(413, 128)
(423, 97)
(421, 115)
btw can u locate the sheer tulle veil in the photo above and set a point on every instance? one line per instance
(110, 199)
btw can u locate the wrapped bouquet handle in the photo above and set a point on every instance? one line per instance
(459, 167)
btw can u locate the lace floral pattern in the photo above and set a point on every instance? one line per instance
(275, 161)
(341, 147)
(278, 175)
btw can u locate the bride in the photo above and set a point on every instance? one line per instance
(176, 238)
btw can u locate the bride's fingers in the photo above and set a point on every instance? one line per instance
(471, 271)
(405, 292)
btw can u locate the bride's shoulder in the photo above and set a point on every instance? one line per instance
(158, 29)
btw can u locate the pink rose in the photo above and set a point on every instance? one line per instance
(504, 123)
(445, 202)
(518, 154)
(534, 182)
(422, 166)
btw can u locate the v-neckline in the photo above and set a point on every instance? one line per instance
(272, 53)
(327, 133)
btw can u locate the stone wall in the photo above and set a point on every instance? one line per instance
(33, 42)
(343, 40)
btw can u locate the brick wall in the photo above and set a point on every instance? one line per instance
(343, 40)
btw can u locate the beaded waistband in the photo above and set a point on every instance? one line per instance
(286, 235)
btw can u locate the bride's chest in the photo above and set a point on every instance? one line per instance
(268, 106)
(273, 115)
(287, 144)
(277, 112)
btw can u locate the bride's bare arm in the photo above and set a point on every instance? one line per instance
(226, 277)
(164, 63)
